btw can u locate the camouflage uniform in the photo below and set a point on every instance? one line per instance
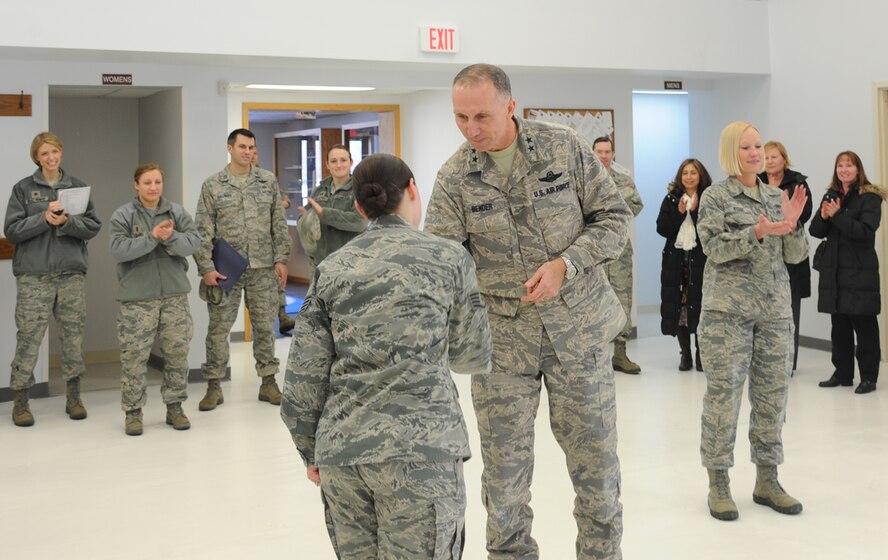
(340, 221)
(49, 265)
(746, 326)
(368, 396)
(153, 297)
(619, 272)
(557, 200)
(248, 213)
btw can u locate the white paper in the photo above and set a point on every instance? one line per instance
(74, 201)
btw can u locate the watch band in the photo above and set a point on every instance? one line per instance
(570, 270)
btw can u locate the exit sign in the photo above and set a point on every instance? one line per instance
(439, 39)
(672, 85)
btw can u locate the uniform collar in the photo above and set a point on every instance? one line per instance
(735, 188)
(64, 180)
(389, 221)
(527, 148)
(163, 205)
(347, 186)
(228, 176)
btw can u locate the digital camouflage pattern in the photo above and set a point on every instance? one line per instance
(557, 200)
(259, 287)
(395, 510)
(169, 319)
(248, 213)
(37, 297)
(387, 317)
(368, 394)
(619, 272)
(746, 325)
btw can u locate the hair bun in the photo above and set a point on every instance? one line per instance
(375, 197)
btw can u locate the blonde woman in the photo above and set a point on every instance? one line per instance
(49, 265)
(748, 231)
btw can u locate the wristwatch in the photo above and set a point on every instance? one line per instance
(571, 270)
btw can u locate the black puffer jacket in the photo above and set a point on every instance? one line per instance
(846, 259)
(669, 221)
(799, 274)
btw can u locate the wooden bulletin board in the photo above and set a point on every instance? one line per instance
(6, 248)
(589, 123)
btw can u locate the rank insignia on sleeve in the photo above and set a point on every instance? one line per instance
(476, 300)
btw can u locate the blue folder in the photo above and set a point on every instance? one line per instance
(229, 263)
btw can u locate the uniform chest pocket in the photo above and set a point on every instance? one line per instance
(739, 217)
(489, 231)
(487, 218)
(226, 201)
(37, 206)
(553, 200)
(264, 197)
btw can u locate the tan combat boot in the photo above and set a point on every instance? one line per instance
(74, 406)
(621, 361)
(21, 412)
(768, 492)
(269, 391)
(213, 398)
(176, 417)
(721, 504)
(132, 424)
(285, 323)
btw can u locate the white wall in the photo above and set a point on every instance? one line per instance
(825, 60)
(639, 34)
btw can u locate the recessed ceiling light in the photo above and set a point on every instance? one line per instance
(659, 92)
(309, 88)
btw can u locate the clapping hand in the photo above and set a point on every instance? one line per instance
(829, 208)
(163, 230)
(686, 203)
(793, 207)
(317, 207)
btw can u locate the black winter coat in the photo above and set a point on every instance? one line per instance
(799, 274)
(846, 259)
(669, 221)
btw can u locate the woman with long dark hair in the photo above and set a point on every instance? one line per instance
(848, 290)
(681, 275)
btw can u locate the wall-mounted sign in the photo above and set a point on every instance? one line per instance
(672, 85)
(117, 79)
(439, 39)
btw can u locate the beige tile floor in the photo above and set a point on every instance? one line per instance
(233, 486)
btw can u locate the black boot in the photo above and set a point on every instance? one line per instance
(684, 341)
(699, 361)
